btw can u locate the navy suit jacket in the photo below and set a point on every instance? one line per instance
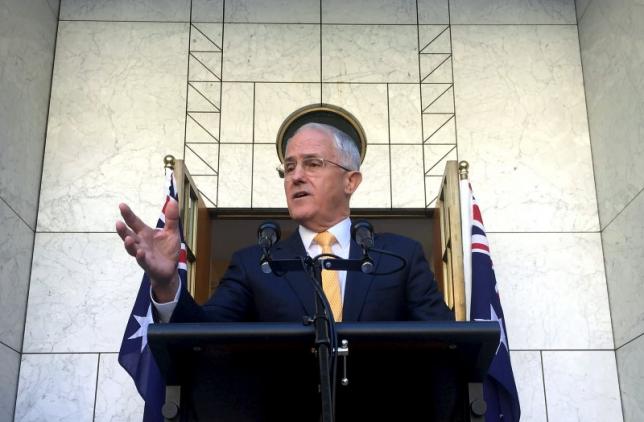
(247, 294)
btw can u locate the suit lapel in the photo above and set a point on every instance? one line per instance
(357, 285)
(299, 281)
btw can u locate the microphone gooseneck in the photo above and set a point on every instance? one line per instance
(268, 234)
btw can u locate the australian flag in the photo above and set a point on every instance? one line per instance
(499, 388)
(135, 355)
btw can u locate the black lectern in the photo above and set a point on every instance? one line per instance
(268, 372)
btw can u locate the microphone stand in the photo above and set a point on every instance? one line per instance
(314, 267)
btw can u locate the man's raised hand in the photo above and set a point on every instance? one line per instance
(156, 250)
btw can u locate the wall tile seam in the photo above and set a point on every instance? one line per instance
(583, 13)
(98, 369)
(10, 348)
(626, 343)
(543, 383)
(622, 210)
(592, 159)
(42, 166)
(33, 229)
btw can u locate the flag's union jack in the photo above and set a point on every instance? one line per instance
(135, 355)
(499, 388)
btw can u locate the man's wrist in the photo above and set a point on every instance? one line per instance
(166, 292)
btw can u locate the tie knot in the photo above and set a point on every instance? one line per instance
(325, 239)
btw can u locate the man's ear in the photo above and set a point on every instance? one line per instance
(352, 181)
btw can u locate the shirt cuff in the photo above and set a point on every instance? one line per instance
(164, 310)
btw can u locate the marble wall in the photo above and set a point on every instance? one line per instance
(498, 83)
(27, 41)
(610, 37)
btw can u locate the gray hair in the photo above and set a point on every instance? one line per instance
(344, 144)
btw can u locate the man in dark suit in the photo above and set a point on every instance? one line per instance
(321, 172)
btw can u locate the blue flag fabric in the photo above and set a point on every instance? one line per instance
(135, 355)
(499, 388)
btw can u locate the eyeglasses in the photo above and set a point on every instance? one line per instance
(310, 165)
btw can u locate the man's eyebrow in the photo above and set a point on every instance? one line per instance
(304, 156)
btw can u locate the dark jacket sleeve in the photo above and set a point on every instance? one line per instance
(232, 301)
(424, 300)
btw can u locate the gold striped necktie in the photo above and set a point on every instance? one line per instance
(330, 279)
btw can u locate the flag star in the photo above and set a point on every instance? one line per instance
(494, 317)
(142, 332)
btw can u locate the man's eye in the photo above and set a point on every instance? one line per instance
(289, 168)
(314, 163)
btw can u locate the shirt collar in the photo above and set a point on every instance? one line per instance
(341, 231)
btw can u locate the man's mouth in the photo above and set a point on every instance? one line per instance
(298, 195)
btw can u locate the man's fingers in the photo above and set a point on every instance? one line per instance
(140, 258)
(172, 215)
(131, 219)
(130, 245)
(123, 231)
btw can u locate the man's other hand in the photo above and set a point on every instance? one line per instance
(156, 250)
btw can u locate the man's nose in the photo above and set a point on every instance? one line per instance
(298, 175)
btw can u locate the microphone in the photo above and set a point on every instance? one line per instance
(268, 234)
(362, 234)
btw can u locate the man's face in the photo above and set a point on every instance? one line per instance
(320, 199)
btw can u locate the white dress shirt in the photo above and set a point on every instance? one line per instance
(342, 233)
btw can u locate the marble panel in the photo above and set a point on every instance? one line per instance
(205, 66)
(9, 368)
(581, 386)
(200, 130)
(553, 289)
(407, 179)
(528, 376)
(580, 8)
(27, 35)
(522, 126)
(370, 53)
(126, 10)
(268, 188)
(439, 128)
(204, 97)
(118, 107)
(275, 102)
(54, 5)
(207, 186)
(434, 39)
(205, 36)
(272, 53)
(207, 10)
(235, 176)
(436, 157)
(367, 102)
(275, 11)
(56, 387)
(375, 189)
(202, 159)
(512, 12)
(405, 123)
(433, 11)
(432, 189)
(623, 242)
(15, 248)
(369, 11)
(630, 367)
(237, 112)
(116, 396)
(83, 286)
(612, 51)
